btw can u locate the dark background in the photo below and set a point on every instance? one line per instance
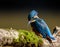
(22, 4)
(13, 13)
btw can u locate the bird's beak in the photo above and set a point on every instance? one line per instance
(29, 22)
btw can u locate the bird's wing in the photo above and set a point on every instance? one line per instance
(40, 27)
(43, 28)
(41, 23)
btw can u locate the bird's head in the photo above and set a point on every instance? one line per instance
(33, 14)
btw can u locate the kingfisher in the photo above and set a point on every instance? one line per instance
(39, 26)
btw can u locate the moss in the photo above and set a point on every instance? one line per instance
(28, 36)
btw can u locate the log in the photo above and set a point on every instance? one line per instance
(56, 34)
(19, 38)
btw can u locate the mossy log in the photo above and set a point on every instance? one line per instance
(19, 38)
(23, 38)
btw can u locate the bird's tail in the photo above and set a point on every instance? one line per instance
(52, 37)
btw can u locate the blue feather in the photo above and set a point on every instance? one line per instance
(42, 27)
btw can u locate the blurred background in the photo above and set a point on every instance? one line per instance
(13, 13)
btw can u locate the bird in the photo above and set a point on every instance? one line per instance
(39, 26)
